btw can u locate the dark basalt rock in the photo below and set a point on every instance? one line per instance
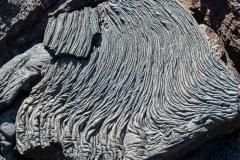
(222, 16)
(18, 25)
(128, 80)
(222, 148)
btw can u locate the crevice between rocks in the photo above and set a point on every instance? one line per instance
(52, 152)
(7, 121)
(95, 44)
(213, 14)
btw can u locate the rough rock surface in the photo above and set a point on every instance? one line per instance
(223, 17)
(8, 130)
(17, 20)
(128, 80)
(21, 73)
(218, 47)
(160, 89)
(7, 136)
(23, 22)
(73, 33)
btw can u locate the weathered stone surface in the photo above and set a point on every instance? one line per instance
(17, 19)
(230, 32)
(73, 33)
(151, 88)
(8, 130)
(147, 84)
(23, 22)
(218, 47)
(20, 73)
(7, 136)
(214, 40)
(223, 16)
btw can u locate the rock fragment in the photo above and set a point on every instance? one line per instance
(8, 130)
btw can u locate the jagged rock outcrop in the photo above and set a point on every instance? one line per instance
(128, 80)
(218, 47)
(23, 22)
(222, 16)
(18, 29)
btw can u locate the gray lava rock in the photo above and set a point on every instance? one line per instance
(8, 130)
(19, 72)
(151, 88)
(148, 86)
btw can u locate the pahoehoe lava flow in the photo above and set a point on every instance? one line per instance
(150, 85)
